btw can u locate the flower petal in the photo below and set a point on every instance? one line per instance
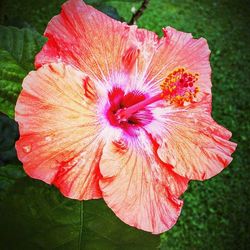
(191, 141)
(180, 49)
(138, 187)
(78, 36)
(58, 125)
(95, 43)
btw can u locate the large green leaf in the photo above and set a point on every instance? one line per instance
(18, 48)
(35, 216)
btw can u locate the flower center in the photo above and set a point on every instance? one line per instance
(125, 113)
(178, 87)
(119, 102)
(132, 109)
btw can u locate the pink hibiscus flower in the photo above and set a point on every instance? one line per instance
(115, 112)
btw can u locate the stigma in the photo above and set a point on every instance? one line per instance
(179, 86)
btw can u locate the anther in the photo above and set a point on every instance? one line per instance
(178, 87)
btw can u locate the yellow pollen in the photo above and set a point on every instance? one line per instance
(179, 86)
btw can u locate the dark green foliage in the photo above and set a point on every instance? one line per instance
(36, 14)
(21, 45)
(17, 50)
(9, 134)
(109, 10)
(37, 216)
(216, 212)
(8, 176)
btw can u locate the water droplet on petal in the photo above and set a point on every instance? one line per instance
(82, 154)
(73, 162)
(83, 161)
(27, 148)
(48, 138)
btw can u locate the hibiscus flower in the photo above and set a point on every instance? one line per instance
(115, 112)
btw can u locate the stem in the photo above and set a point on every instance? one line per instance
(124, 114)
(139, 12)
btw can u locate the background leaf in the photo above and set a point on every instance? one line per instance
(21, 44)
(109, 10)
(9, 134)
(17, 50)
(37, 14)
(8, 176)
(37, 216)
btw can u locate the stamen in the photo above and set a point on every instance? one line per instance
(179, 87)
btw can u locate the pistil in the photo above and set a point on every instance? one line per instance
(123, 114)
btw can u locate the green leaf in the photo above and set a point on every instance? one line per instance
(109, 10)
(37, 216)
(8, 176)
(22, 45)
(38, 13)
(18, 48)
(9, 134)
